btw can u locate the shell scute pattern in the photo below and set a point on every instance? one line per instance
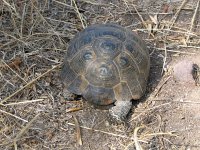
(95, 95)
(67, 74)
(106, 64)
(78, 86)
(107, 47)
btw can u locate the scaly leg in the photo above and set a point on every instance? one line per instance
(120, 110)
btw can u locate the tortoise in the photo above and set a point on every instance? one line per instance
(106, 64)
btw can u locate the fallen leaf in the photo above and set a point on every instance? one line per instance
(15, 63)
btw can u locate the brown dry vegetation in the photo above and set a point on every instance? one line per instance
(34, 36)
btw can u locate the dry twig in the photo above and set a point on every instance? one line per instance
(78, 131)
(137, 144)
(24, 130)
(79, 15)
(28, 84)
(13, 115)
(25, 102)
(193, 20)
(173, 20)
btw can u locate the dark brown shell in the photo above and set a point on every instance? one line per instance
(106, 63)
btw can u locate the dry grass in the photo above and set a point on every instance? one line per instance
(34, 37)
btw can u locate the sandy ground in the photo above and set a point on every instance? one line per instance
(34, 37)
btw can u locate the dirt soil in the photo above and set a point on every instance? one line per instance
(34, 37)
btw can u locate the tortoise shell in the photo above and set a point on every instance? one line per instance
(106, 63)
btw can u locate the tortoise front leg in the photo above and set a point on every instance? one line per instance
(120, 110)
(123, 102)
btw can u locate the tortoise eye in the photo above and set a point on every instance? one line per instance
(88, 56)
(123, 62)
